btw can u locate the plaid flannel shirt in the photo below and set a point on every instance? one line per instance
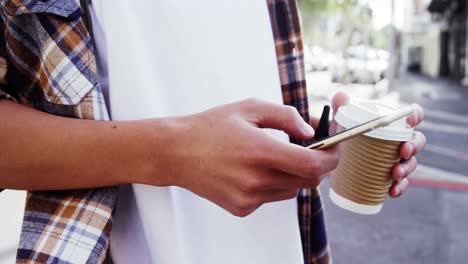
(50, 66)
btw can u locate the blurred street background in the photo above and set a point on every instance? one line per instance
(399, 52)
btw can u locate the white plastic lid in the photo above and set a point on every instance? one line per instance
(361, 111)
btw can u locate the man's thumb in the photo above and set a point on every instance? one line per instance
(281, 117)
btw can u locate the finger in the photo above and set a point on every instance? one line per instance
(314, 122)
(416, 117)
(414, 146)
(269, 115)
(246, 203)
(398, 188)
(278, 195)
(338, 100)
(404, 169)
(300, 161)
(274, 179)
(231, 205)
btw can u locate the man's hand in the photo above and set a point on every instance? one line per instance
(223, 154)
(407, 151)
(226, 156)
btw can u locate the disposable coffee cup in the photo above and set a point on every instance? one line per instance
(363, 177)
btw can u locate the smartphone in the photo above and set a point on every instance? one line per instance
(378, 122)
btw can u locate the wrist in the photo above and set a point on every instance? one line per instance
(157, 145)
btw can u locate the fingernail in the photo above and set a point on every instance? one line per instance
(308, 130)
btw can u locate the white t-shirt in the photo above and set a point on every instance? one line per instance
(169, 58)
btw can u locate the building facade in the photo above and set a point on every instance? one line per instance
(419, 49)
(452, 16)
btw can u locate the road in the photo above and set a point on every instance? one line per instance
(446, 122)
(429, 223)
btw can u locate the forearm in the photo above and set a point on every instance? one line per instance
(40, 151)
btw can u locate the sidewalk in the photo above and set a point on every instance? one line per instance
(321, 90)
(446, 121)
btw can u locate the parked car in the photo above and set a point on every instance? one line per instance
(317, 59)
(363, 65)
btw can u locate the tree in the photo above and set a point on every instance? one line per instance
(354, 27)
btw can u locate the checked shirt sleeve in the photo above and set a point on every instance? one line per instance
(4, 92)
(51, 66)
(3, 70)
(284, 16)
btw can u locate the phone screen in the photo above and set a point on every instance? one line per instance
(346, 134)
(347, 130)
(363, 128)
